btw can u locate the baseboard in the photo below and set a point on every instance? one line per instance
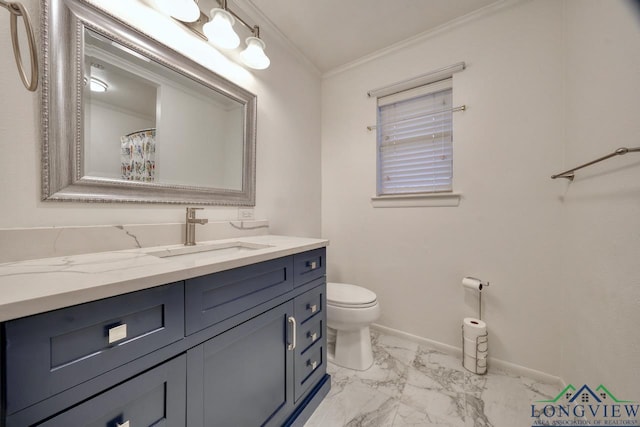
(509, 367)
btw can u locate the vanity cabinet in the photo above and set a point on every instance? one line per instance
(241, 347)
(256, 373)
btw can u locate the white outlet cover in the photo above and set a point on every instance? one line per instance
(245, 213)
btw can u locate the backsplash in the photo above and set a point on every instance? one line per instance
(17, 244)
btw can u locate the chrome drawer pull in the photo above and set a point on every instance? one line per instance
(117, 333)
(313, 364)
(313, 336)
(313, 308)
(312, 264)
(292, 345)
(124, 424)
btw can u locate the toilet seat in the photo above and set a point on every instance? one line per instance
(350, 296)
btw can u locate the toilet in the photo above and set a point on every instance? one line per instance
(350, 311)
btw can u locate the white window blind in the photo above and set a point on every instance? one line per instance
(415, 150)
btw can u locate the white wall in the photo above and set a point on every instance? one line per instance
(233, 152)
(107, 124)
(601, 230)
(191, 118)
(505, 229)
(288, 150)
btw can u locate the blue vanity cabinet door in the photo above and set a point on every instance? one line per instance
(154, 398)
(48, 353)
(242, 377)
(309, 265)
(216, 297)
(310, 364)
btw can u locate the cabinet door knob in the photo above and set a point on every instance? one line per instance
(313, 336)
(292, 345)
(312, 265)
(312, 307)
(313, 364)
(117, 333)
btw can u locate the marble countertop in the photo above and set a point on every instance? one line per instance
(35, 286)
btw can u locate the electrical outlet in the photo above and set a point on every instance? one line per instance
(245, 213)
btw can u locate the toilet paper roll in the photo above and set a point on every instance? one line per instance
(477, 366)
(472, 283)
(473, 328)
(474, 349)
(470, 364)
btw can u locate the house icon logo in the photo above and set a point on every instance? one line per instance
(585, 406)
(585, 395)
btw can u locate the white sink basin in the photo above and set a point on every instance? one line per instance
(207, 250)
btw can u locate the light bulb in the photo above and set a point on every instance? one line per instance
(97, 85)
(183, 10)
(253, 56)
(219, 30)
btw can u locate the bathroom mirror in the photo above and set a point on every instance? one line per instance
(127, 119)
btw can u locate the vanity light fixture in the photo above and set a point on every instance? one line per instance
(97, 85)
(218, 30)
(253, 56)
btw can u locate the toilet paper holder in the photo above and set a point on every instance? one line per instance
(476, 284)
(480, 339)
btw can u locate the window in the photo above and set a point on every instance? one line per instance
(415, 150)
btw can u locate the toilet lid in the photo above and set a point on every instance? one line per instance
(344, 294)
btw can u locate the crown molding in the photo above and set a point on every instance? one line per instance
(453, 24)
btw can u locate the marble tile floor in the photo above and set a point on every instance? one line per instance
(411, 384)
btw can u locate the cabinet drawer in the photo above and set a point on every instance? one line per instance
(309, 265)
(309, 368)
(310, 332)
(51, 352)
(155, 398)
(219, 296)
(309, 304)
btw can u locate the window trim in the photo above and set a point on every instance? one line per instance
(449, 198)
(415, 200)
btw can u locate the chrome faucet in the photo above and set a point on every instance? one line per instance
(190, 235)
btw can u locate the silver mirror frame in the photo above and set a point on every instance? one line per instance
(62, 112)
